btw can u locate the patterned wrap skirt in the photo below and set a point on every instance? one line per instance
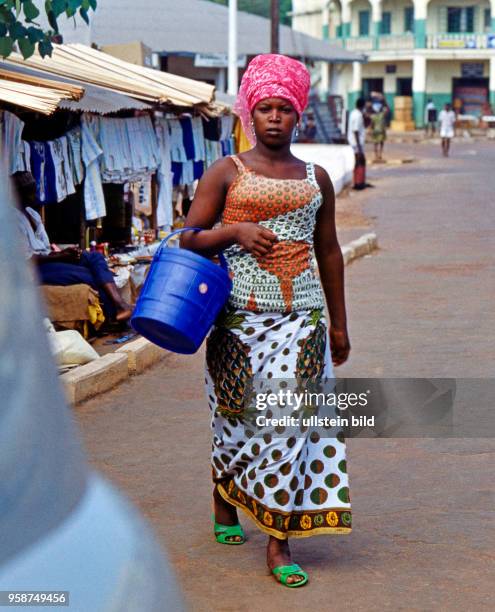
(291, 482)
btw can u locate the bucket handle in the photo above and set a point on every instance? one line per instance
(223, 261)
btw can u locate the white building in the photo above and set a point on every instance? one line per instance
(438, 49)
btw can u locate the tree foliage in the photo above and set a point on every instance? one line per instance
(18, 24)
(262, 8)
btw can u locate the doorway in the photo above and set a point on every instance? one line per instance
(404, 86)
(473, 94)
(370, 85)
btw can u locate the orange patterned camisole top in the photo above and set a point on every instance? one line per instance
(285, 279)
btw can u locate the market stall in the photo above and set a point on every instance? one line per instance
(116, 149)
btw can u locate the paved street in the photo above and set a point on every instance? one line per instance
(423, 509)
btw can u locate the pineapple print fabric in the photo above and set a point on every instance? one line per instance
(290, 485)
(284, 279)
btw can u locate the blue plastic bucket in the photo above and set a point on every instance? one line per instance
(181, 297)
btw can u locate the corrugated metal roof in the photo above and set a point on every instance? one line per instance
(103, 102)
(194, 26)
(95, 99)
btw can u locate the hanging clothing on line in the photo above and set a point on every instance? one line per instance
(188, 172)
(130, 149)
(144, 146)
(199, 139)
(164, 176)
(64, 184)
(213, 151)
(176, 168)
(13, 148)
(226, 126)
(228, 146)
(177, 149)
(199, 168)
(115, 146)
(141, 196)
(187, 136)
(212, 128)
(94, 200)
(75, 159)
(43, 170)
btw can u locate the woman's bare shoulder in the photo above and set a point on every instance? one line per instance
(322, 177)
(221, 171)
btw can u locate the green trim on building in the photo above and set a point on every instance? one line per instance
(352, 97)
(390, 99)
(346, 29)
(440, 99)
(376, 28)
(491, 100)
(419, 102)
(420, 33)
(325, 31)
(493, 24)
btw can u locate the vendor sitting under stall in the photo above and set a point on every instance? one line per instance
(70, 266)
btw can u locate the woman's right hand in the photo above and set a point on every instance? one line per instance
(255, 238)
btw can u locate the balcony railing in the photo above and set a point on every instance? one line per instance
(385, 42)
(460, 41)
(405, 42)
(395, 42)
(360, 43)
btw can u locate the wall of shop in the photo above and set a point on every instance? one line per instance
(439, 74)
(377, 70)
(184, 66)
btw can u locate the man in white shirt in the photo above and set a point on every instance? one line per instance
(447, 120)
(356, 135)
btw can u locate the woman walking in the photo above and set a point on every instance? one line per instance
(276, 212)
(379, 131)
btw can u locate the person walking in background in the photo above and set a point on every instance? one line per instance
(430, 118)
(356, 135)
(379, 131)
(276, 212)
(447, 120)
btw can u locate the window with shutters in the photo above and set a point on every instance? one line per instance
(364, 23)
(487, 19)
(460, 19)
(409, 19)
(386, 26)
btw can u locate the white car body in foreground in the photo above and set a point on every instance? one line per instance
(62, 526)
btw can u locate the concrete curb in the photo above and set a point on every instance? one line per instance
(104, 373)
(95, 377)
(360, 247)
(392, 162)
(141, 354)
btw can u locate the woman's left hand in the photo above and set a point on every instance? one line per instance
(339, 345)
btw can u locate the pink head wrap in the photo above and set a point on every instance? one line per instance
(271, 76)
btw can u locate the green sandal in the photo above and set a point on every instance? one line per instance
(284, 571)
(222, 532)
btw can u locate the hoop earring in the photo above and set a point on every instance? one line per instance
(252, 128)
(296, 132)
